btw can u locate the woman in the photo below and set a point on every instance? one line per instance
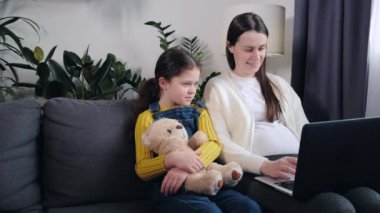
(257, 114)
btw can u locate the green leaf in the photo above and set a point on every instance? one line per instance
(6, 32)
(13, 71)
(151, 23)
(10, 21)
(29, 55)
(166, 27)
(73, 63)
(43, 71)
(87, 61)
(201, 88)
(60, 75)
(12, 48)
(54, 89)
(164, 47)
(22, 66)
(28, 21)
(38, 54)
(51, 53)
(169, 42)
(169, 33)
(103, 70)
(8, 91)
(39, 87)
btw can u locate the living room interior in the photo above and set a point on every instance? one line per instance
(334, 73)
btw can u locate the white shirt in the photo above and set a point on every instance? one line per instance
(269, 138)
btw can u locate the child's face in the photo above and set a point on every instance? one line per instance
(181, 89)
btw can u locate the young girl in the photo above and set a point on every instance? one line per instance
(170, 94)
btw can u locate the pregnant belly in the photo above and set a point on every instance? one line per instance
(273, 139)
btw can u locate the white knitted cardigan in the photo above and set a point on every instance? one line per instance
(235, 124)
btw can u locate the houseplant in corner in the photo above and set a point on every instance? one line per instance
(80, 77)
(10, 43)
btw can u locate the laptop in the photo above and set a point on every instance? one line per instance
(334, 156)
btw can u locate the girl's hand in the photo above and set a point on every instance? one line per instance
(188, 161)
(280, 168)
(173, 181)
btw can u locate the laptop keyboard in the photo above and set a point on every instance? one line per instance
(286, 184)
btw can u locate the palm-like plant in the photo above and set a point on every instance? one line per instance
(164, 41)
(194, 47)
(190, 44)
(11, 43)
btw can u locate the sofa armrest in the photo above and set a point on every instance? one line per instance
(19, 155)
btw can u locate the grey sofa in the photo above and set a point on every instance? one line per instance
(78, 156)
(69, 156)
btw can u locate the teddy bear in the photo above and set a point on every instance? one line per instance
(168, 135)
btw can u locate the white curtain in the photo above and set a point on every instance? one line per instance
(373, 96)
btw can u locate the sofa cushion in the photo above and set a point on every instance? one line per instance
(141, 206)
(19, 176)
(89, 152)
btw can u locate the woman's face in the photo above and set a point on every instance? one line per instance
(249, 53)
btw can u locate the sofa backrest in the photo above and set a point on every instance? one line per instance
(88, 152)
(19, 168)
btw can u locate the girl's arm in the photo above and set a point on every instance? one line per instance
(147, 167)
(212, 148)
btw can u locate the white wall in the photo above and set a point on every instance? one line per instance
(117, 26)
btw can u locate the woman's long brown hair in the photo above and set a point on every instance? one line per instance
(239, 25)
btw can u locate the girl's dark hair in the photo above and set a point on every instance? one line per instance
(251, 22)
(171, 63)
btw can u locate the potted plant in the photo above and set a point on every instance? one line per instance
(10, 43)
(79, 78)
(190, 44)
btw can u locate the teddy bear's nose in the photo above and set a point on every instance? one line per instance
(178, 127)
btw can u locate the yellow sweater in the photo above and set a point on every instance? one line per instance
(148, 167)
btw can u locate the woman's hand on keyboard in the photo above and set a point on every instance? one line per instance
(280, 168)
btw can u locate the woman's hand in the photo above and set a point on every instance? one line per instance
(188, 161)
(173, 181)
(280, 168)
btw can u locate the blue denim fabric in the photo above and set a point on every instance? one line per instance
(226, 200)
(187, 115)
